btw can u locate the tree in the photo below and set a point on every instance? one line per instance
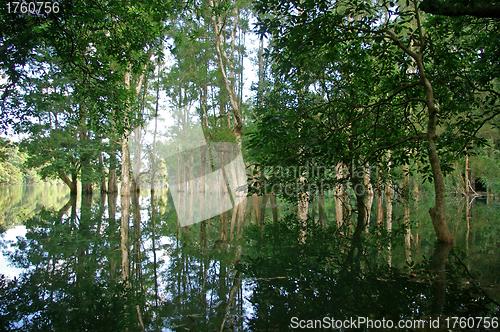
(11, 168)
(102, 49)
(369, 88)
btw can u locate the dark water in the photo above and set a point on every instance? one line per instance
(77, 266)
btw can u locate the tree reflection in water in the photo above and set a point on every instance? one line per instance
(84, 272)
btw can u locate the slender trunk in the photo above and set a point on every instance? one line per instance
(369, 195)
(274, 207)
(125, 189)
(356, 245)
(125, 186)
(112, 179)
(379, 208)
(137, 159)
(103, 181)
(313, 209)
(303, 203)
(204, 103)
(263, 205)
(358, 186)
(303, 207)
(408, 230)
(124, 241)
(136, 213)
(321, 209)
(261, 72)
(153, 154)
(86, 170)
(153, 238)
(438, 212)
(112, 197)
(466, 180)
(339, 193)
(85, 156)
(389, 195)
(234, 214)
(221, 56)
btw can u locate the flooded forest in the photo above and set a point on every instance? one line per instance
(234, 165)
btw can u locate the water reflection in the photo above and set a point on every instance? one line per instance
(105, 264)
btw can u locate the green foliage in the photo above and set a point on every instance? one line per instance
(12, 168)
(346, 86)
(485, 165)
(307, 280)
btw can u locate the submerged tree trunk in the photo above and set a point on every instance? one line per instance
(125, 189)
(112, 179)
(125, 186)
(438, 212)
(136, 183)
(86, 156)
(124, 241)
(303, 203)
(339, 193)
(274, 205)
(321, 209)
(103, 181)
(368, 195)
(356, 245)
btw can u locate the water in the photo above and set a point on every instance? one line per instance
(76, 267)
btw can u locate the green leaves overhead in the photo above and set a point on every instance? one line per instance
(94, 43)
(358, 62)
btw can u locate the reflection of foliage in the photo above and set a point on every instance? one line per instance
(41, 302)
(315, 280)
(72, 271)
(17, 203)
(69, 283)
(200, 280)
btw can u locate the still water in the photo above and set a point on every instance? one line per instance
(77, 265)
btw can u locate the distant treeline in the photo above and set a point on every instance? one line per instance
(12, 167)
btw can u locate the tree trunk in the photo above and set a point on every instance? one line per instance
(137, 159)
(274, 207)
(124, 241)
(368, 195)
(438, 212)
(303, 204)
(263, 205)
(136, 258)
(71, 184)
(221, 57)
(379, 207)
(321, 209)
(85, 157)
(406, 205)
(339, 193)
(112, 179)
(103, 181)
(125, 187)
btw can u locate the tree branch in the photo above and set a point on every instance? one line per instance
(458, 9)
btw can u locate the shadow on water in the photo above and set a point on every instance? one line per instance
(87, 268)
